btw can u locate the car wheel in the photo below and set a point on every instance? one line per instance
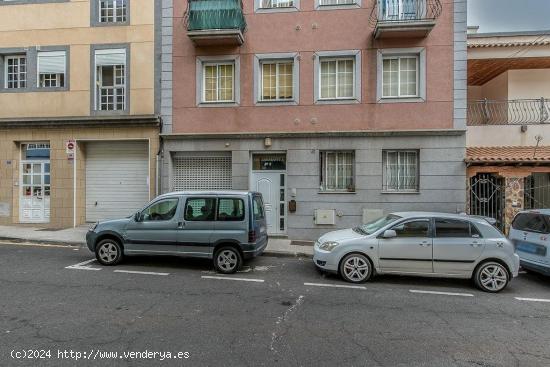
(356, 268)
(491, 277)
(227, 260)
(108, 252)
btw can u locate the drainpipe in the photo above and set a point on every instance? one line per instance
(158, 160)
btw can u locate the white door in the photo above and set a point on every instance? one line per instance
(272, 187)
(117, 179)
(34, 203)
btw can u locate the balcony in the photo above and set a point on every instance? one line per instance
(510, 112)
(404, 18)
(215, 22)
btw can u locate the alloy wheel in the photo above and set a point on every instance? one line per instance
(493, 277)
(356, 268)
(227, 260)
(108, 252)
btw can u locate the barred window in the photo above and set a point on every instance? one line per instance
(400, 170)
(337, 171)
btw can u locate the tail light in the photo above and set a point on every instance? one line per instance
(251, 236)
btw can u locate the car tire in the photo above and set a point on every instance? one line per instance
(491, 277)
(109, 252)
(355, 268)
(227, 260)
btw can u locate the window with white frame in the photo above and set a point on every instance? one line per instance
(218, 82)
(276, 80)
(400, 170)
(110, 80)
(112, 11)
(337, 78)
(400, 76)
(337, 170)
(51, 69)
(15, 71)
(272, 4)
(337, 2)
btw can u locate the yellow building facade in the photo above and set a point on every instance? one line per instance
(79, 123)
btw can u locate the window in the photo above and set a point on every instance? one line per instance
(51, 69)
(336, 2)
(414, 228)
(258, 208)
(230, 210)
(337, 171)
(110, 80)
(451, 228)
(270, 4)
(402, 9)
(400, 170)
(530, 222)
(15, 71)
(337, 77)
(200, 209)
(218, 82)
(276, 80)
(400, 76)
(163, 210)
(112, 11)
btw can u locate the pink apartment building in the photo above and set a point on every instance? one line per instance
(335, 110)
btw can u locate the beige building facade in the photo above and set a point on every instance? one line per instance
(78, 120)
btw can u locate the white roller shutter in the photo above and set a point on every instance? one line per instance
(117, 182)
(202, 173)
(110, 57)
(51, 62)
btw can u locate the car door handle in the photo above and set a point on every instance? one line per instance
(425, 244)
(181, 224)
(475, 244)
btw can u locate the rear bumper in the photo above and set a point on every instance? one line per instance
(257, 250)
(536, 267)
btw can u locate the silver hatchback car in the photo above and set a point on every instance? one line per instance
(423, 244)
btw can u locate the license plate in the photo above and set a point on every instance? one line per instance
(531, 248)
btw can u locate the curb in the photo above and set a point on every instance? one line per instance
(286, 254)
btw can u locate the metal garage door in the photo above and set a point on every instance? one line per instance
(202, 173)
(117, 183)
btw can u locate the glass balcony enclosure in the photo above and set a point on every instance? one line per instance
(216, 22)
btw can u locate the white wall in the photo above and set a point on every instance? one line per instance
(506, 135)
(527, 84)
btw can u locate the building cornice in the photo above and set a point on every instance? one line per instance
(88, 121)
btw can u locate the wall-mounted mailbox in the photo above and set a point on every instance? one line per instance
(292, 206)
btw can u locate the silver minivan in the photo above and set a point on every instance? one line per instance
(226, 226)
(530, 233)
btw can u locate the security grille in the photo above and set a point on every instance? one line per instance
(537, 191)
(202, 173)
(487, 197)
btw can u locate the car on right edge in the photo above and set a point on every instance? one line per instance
(421, 244)
(530, 234)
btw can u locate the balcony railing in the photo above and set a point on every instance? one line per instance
(404, 18)
(215, 21)
(511, 112)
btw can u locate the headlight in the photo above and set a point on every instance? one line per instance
(94, 226)
(328, 246)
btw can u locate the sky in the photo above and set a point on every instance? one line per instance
(509, 15)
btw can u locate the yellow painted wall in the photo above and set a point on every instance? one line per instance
(68, 23)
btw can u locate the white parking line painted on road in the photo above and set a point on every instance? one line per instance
(442, 293)
(335, 285)
(83, 266)
(140, 272)
(31, 244)
(532, 299)
(239, 279)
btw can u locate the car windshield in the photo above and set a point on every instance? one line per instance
(376, 224)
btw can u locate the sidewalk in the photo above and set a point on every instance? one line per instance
(76, 237)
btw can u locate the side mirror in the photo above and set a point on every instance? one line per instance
(389, 233)
(138, 217)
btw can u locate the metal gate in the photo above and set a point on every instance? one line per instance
(202, 173)
(487, 197)
(537, 191)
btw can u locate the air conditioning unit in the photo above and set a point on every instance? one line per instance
(325, 216)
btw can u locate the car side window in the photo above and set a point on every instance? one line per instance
(230, 210)
(530, 222)
(200, 209)
(453, 228)
(413, 228)
(258, 208)
(162, 210)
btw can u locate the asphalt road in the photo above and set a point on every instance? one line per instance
(267, 315)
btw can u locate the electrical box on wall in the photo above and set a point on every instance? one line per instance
(325, 216)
